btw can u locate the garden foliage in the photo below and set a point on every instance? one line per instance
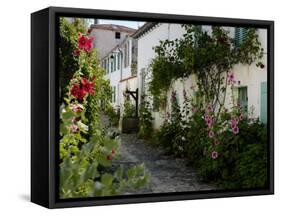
(227, 146)
(87, 152)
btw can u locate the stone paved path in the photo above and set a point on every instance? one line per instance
(167, 174)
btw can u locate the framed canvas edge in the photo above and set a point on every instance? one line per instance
(54, 11)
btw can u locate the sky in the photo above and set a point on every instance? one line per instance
(131, 24)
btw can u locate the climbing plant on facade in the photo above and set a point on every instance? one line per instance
(216, 140)
(209, 56)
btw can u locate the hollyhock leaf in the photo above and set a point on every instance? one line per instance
(106, 179)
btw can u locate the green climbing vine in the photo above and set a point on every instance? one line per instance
(210, 56)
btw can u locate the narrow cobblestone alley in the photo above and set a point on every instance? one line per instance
(167, 174)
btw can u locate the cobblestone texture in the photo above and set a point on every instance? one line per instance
(167, 174)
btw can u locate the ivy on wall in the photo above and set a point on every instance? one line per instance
(210, 56)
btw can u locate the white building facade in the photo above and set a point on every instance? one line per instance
(120, 65)
(107, 36)
(250, 88)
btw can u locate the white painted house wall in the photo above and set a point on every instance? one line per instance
(104, 40)
(250, 76)
(122, 78)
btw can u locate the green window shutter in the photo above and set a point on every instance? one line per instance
(243, 98)
(239, 35)
(263, 111)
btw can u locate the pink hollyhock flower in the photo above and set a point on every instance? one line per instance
(211, 134)
(109, 157)
(194, 109)
(210, 108)
(230, 78)
(74, 128)
(214, 155)
(217, 142)
(206, 117)
(76, 108)
(209, 122)
(235, 130)
(234, 122)
(241, 117)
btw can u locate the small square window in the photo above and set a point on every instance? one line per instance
(117, 35)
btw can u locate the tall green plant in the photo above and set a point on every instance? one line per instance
(86, 150)
(145, 118)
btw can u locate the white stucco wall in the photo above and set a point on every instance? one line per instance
(104, 40)
(122, 78)
(250, 76)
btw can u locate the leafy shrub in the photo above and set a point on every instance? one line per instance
(145, 119)
(171, 134)
(86, 149)
(68, 63)
(114, 115)
(129, 108)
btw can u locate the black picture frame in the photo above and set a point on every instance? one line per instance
(44, 106)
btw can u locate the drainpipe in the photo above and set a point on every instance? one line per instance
(121, 73)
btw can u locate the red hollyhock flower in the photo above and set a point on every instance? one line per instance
(89, 45)
(85, 43)
(81, 94)
(87, 86)
(74, 91)
(109, 157)
(81, 41)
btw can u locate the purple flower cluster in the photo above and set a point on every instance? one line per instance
(234, 124)
(209, 121)
(230, 78)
